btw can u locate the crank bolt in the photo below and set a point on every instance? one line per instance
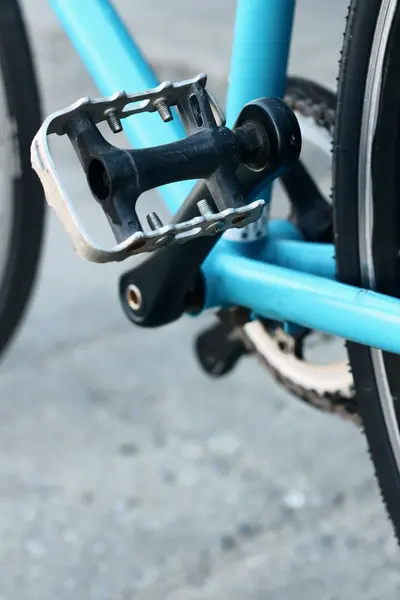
(155, 223)
(113, 120)
(206, 211)
(163, 110)
(133, 297)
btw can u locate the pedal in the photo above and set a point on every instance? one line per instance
(117, 177)
(220, 347)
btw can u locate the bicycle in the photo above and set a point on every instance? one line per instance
(330, 267)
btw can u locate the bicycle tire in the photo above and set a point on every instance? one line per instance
(367, 215)
(26, 199)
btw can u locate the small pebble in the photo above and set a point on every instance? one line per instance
(187, 478)
(35, 548)
(228, 542)
(224, 443)
(294, 499)
(192, 450)
(98, 548)
(29, 514)
(352, 542)
(249, 530)
(35, 572)
(69, 536)
(128, 449)
(87, 498)
(70, 584)
(168, 477)
(327, 540)
(339, 499)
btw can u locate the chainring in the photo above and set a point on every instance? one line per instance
(326, 387)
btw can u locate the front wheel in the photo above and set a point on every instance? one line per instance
(367, 207)
(21, 197)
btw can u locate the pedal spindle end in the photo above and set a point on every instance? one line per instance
(133, 297)
(254, 144)
(270, 135)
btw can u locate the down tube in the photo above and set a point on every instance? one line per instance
(116, 63)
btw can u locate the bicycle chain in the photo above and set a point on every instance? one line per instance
(321, 113)
(333, 402)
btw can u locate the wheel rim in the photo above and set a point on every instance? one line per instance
(365, 204)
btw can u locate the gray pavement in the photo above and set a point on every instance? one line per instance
(124, 472)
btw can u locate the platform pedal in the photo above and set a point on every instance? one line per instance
(116, 177)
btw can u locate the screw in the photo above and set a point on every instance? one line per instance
(163, 110)
(155, 223)
(133, 297)
(206, 211)
(204, 208)
(113, 120)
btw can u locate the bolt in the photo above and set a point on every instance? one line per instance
(154, 221)
(113, 120)
(133, 297)
(163, 110)
(206, 211)
(205, 208)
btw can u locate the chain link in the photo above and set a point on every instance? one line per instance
(321, 113)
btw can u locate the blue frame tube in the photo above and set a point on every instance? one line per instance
(307, 257)
(286, 295)
(263, 30)
(261, 45)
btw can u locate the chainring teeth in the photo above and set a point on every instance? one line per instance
(340, 400)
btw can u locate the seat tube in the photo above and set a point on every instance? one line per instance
(261, 46)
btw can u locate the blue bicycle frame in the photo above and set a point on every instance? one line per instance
(279, 276)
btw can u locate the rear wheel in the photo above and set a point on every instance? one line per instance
(21, 197)
(367, 206)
